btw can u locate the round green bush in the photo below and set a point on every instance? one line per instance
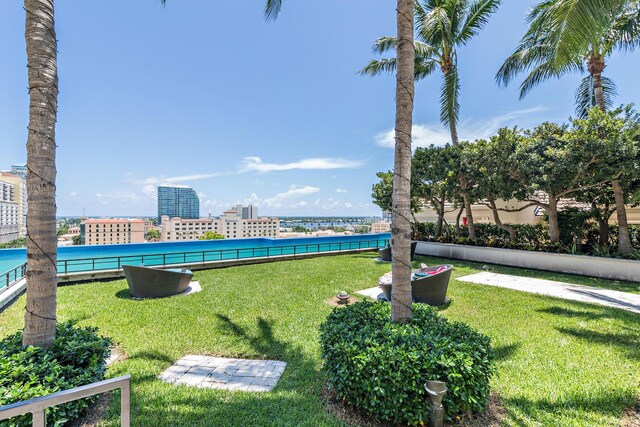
(76, 357)
(381, 367)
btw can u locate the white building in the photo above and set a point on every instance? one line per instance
(230, 224)
(9, 226)
(19, 182)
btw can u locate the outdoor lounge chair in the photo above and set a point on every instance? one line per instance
(430, 289)
(145, 282)
(385, 253)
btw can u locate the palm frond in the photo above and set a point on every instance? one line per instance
(625, 34)
(379, 66)
(384, 44)
(435, 29)
(574, 24)
(449, 103)
(586, 98)
(545, 71)
(272, 9)
(477, 17)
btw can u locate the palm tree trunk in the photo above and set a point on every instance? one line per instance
(624, 242)
(40, 315)
(595, 66)
(401, 304)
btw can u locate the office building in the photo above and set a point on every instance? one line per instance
(178, 201)
(111, 231)
(8, 213)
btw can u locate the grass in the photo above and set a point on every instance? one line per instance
(559, 362)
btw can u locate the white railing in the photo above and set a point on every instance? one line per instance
(39, 405)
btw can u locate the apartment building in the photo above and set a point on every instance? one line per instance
(230, 225)
(19, 182)
(381, 227)
(178, 201)
(9, 228)
(112, 231)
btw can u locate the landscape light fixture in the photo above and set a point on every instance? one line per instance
(436, 391)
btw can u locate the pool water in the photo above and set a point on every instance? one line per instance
(105, 257)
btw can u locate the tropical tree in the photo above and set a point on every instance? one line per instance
(442, 26)
(211, 235)
(40, 310)
(566, 36)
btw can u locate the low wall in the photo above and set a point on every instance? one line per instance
(582, 265)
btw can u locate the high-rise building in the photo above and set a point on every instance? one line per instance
(20, 170)
(8, 213)
(247, 212)
(178, 201)
(18, 178)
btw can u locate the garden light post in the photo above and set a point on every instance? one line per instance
(436, 390)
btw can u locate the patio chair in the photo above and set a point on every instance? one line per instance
(428, 289)
(145, 282)
(385, 253)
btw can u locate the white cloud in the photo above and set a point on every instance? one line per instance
(73, 194)
(426, 134)
(292, 192)
(256, 164)
(341, 190)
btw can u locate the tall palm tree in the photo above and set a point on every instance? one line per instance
(401, 309)
(401, 303)
(567, 36)
(40, 36)
(442, 26)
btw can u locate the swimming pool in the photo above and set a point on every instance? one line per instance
(74, 259)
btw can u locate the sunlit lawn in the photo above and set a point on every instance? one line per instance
(559, 363)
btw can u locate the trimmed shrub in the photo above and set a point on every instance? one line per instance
(380, 367)
(76, 357)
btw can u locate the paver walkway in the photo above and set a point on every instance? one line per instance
(225, 374)
(623, 300)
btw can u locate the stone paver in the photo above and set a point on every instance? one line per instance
(617, 299)
(224, 373)
(371, 292)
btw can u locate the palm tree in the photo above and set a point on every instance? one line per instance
(401, 309)
(40, 312)
(566, 36)
(442, 26)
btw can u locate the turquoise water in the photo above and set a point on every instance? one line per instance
(106, 257)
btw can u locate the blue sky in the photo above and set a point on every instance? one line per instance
(207, 94)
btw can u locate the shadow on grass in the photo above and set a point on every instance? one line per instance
(152, 356)
(628, 342)
(524, 411)
(566, 312)
(504, 352)
(124, 294)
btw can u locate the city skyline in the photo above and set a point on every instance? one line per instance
(264, 135)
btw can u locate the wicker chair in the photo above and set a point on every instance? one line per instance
(430, 289)
(145, 282)
(385, 253)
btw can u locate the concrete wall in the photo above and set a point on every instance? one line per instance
(605, 268)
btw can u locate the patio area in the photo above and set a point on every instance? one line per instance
(558, 362)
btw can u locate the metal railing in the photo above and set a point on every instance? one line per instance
(202, 257)
(38, 406)
(12, 276)
(193, 257)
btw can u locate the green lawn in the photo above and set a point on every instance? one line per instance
(559, 363)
